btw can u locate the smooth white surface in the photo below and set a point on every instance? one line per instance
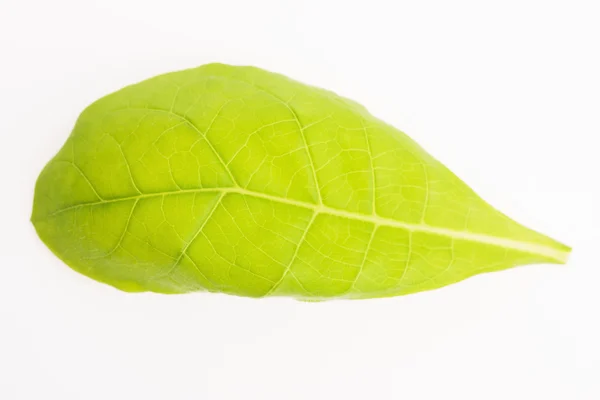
(507, 94)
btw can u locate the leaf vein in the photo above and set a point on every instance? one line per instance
(503, 242)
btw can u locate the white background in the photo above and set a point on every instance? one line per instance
(505, 93)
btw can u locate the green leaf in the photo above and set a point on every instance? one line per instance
(242, 181)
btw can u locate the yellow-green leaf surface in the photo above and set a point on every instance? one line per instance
(242, 181)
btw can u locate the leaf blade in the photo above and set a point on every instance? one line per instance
(317, 198)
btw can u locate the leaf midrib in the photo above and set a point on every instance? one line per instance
(556, 254)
